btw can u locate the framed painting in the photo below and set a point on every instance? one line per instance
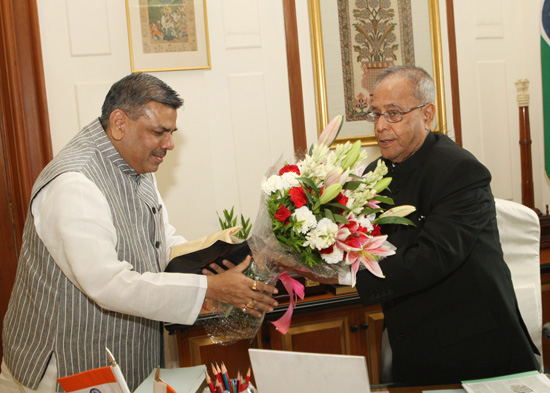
(167, 35)
(353, 40)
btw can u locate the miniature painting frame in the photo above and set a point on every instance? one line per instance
(330, 51)
(168, 35)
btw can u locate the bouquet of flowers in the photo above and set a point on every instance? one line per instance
(321, 213)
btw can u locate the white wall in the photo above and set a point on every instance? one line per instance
(236, 120)
(498, 42)
(236, 116)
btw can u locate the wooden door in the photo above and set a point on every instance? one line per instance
(25, 144)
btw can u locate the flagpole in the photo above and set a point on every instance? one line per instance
(527, 194)
(117, 372)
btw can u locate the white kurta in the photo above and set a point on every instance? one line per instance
(73, 219)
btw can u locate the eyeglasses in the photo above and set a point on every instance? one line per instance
(392, 115)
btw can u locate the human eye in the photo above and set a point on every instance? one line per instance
(373, 116)
(393, 114)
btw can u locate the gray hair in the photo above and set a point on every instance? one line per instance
(421, 82)
(133, 92)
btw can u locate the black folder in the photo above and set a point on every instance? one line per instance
(195, 261)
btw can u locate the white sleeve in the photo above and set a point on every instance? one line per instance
(73, 219)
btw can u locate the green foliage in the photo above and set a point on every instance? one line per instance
(230, 221)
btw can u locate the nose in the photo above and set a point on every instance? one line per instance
(167, 142)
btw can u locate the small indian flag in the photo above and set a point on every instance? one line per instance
(545, 68)
(99, 380)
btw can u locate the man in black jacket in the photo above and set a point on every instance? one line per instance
(448, 299)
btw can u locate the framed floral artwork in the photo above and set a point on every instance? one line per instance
(353, 40)
(167, 35)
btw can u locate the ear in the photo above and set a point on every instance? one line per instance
(428, 116)
(117, 124)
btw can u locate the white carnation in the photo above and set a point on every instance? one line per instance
(334, 257)
(323, 235)
(274, 183)
(305, 219)
(289, 180)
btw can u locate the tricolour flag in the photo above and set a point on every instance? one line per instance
(545, 68)
(102, 379)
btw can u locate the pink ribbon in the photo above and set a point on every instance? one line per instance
(295, 290)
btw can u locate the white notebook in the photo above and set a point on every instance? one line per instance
(182, 380)
(284, 371)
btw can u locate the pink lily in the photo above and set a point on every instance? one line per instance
(336, 175)
(350, 237)
(330, 132)
(373, 204)
(361, 248)
(373, 250)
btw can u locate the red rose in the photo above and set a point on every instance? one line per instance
(298, 196)
(327, 250)
(375, 230)
(289, 168)
(341, 199)
(282, 214)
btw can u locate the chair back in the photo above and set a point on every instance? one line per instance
(519, 232)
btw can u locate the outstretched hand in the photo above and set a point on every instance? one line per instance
(232, 287)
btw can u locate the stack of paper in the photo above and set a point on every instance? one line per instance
(532, 382)
(183, 380)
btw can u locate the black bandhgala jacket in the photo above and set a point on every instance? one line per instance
(447, 295)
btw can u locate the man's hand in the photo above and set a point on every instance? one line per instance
(232, 287)
(217, 268)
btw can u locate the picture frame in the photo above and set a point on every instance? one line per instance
(340, 89)
(168, 35)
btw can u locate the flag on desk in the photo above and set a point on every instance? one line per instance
(102, 379)
(108, 379)
(545, 68)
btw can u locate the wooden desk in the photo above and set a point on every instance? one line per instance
(323, 323)
(413, 389)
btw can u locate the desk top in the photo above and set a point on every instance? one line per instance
(412, 389)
